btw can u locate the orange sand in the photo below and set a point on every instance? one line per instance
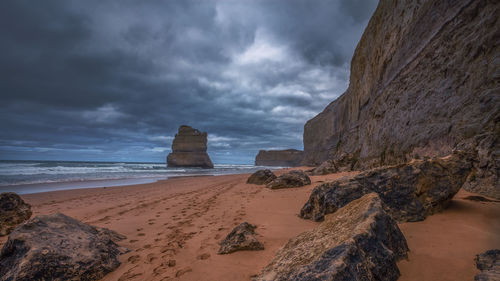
(183, 219)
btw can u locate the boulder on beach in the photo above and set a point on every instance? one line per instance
(261, 177)
(13, 211)
(282, 158)
(241, 238)
(409, 192)
(489, 264)
(294, 178)
(359, 242)
(58, 247)
(189, 149)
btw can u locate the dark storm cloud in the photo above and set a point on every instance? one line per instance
(113, 80)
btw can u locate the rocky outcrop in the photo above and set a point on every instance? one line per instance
(359, 242)
(282, 158)
(57, 247)
(409, 192)
(295, 178)
(261, 177)
(242, 238)
(489, 264)
(342, 163)
(189, 149)
(13, 211)
(424, 80)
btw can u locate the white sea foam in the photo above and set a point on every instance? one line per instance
(17, 173)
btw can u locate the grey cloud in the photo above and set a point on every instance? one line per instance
(109, 76)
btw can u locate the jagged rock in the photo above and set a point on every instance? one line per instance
(283, 158)
(13, 211)
(409, 192)
(58, 247)
(342, 163)
(261, 177)
(242, 238)
(424, 81)
(295, 178)
(189, 149)
(359, 242)
(489, 264)
(485, 178)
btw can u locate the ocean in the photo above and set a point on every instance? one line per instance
(24, 177)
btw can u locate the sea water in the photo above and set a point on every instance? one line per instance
(25, 177)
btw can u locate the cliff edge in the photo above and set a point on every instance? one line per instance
(424, 81)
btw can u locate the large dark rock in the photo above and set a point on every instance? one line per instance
(295, 178)
(189, 149)
(261, 177)
(57, 247)
(359, 242)
(489, 264)
(409, 192)
(282, 158)
(241, 238)
(424, 81)
(13, 211)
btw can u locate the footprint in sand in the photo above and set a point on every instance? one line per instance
(134, 259)
(183, 271)
(204, 256)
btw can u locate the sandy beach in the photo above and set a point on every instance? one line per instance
(183, 219)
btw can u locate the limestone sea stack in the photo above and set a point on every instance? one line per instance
(424, 81)
(283, 158)
(189, 149)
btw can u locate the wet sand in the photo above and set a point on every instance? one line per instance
(183, 219)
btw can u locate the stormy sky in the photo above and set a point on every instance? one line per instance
(113, 80)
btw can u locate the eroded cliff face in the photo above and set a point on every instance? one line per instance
(425, 79)
(189, 149)
(284, 158)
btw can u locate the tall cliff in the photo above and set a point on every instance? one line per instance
(189, 149)
(425, 79)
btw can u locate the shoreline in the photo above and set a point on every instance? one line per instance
(183, 219)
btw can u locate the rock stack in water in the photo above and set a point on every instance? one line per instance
(189, 149)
